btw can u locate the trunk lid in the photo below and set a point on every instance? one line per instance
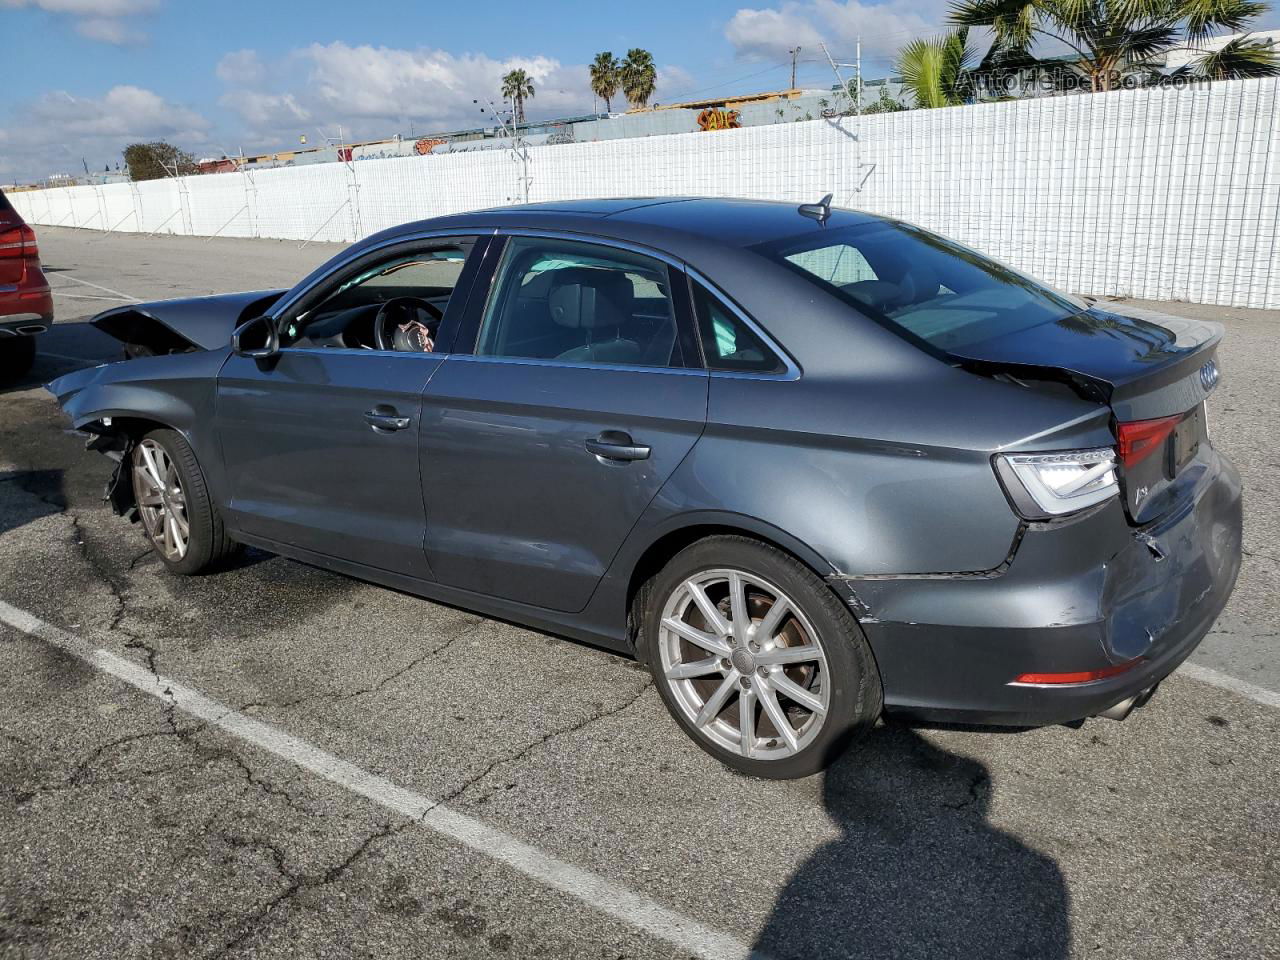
(1146, 366)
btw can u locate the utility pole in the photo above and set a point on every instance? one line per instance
(794, 53)
(858, 81)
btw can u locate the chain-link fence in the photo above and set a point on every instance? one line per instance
(1169, 193)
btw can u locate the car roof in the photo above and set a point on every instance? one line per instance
(681, 226)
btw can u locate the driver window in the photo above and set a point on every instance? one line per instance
(393, 304)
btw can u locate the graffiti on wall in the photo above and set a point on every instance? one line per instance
(426, 145)
(714, 118)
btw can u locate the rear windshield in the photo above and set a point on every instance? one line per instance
(935, 291)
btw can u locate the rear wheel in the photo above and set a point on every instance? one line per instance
(17, 354)
(756, 659)
(179, 518)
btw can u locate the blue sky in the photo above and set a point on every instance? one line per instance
(93, 75)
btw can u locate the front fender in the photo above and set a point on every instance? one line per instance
(176, 391)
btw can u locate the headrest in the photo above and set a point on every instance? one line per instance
(919, 283)
(586, 298)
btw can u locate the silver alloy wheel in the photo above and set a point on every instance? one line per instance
(745, 664)
(161, 500)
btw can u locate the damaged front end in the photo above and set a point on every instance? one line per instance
(116, 445)
(115, 405)
(167, 327)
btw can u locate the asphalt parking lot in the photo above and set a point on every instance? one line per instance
(332, 769)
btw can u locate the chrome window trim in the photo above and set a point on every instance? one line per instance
(362, 352)
(792, 369)
(454, 233)
(576, 365)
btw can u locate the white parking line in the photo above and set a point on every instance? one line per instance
(89, 296)
(1268, 698)
(97, 286)
(595, 891)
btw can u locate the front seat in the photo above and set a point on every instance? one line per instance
(597, 302)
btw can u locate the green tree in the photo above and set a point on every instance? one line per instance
(606, 78)
(151, 161)
(938, 71)
(1238, 57)
(639, 76)
(885, 104)
(517, 86)
(1113, 38)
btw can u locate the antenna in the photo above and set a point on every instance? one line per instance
(820, 211)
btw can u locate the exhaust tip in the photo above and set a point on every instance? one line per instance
(1120, 710)
(1125, 707)
(31, 329)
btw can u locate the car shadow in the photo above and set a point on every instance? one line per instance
(44, 496)
(918, 870)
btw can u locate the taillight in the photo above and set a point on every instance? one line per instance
(1044, 485)
(1138, 439)
(19, 241)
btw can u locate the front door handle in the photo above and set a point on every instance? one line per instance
(385, 419)
(616, 445)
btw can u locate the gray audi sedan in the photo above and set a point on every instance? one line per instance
(809, 465)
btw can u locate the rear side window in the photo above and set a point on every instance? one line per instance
(5, 207)
(922, 285)
(580, 303)
(728, 343)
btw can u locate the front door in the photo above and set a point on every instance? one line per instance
(549, 441)
(321, 443)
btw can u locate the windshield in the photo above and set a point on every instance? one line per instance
(921, 284)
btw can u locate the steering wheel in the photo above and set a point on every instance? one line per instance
(397, 313)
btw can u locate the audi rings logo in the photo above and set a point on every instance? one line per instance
(1209, 376)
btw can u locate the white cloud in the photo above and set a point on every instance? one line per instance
(109, 31)
(103, 20)
(770, 33)
(52, 133)
(377, 91)
(241, 68)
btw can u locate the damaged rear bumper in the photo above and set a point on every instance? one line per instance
(1089, 594)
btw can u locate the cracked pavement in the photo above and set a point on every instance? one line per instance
(129, 829)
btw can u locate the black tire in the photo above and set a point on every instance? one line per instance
(208, 545)
(854, 697)
(17, 355)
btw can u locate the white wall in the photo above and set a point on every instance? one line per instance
(1164, 194)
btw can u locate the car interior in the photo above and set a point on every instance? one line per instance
(394, 305)
(565, 304)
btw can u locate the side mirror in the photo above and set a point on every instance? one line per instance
(256, 339)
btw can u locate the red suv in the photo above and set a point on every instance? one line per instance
(26, 305)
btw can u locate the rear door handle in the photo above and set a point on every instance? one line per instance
(385, 419)
(615, 445)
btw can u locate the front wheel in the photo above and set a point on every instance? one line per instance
(757, 659)
(180, 520)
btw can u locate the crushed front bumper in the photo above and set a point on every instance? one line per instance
(1086, 594)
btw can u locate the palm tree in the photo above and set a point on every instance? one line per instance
(606, 78)
(1238, 57)
(639, 76)
(517, 86)
(938, 70)
(1116, 37)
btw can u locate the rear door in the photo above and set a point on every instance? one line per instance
(321, 445)
(543, 444)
